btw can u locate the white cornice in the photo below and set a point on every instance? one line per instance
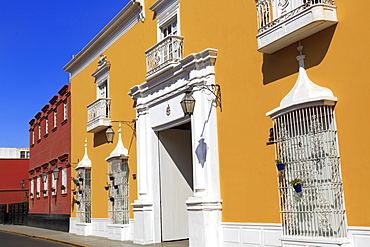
(131, 14)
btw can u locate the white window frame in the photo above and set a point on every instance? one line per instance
(53, 184)
(64, 180)
(39, 129)
(32, 188)
(65, 110)
(33, 136)
(45, 186)
(46, 125)
(166, 12)
(55, 118)
(38, 189)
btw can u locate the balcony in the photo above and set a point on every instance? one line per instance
(164, 54)
(98, 115)
(285, 22)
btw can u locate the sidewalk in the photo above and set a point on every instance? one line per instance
(80, 241)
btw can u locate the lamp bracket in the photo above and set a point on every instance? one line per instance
(131, 124)
(215, 89)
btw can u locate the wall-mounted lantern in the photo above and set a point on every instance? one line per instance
(23, 184)
(187, 104)
(56, 173)
(109, 134)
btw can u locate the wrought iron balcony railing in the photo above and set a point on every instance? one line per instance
(167, 51)
(98, 115)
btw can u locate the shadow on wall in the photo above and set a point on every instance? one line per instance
(99, 138)
(283, 62)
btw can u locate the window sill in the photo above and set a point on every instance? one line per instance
(54, 129)
(39, 140)
(46, 135)
(64, 122)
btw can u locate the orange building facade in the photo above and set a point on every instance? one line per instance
(207, 174)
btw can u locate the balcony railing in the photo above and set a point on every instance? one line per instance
(98, 115)
(280, 21)
(167, 51)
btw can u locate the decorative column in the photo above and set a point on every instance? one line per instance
(143, 207)
(204, 208)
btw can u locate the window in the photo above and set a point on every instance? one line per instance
(169, 28)
(46, 125)
(33, 137)
(65, 110)
(53, 185)
(83, 211)
(32, 188)
(55, 118)
(167, 13)
(25, 154)
(39, 127)
(102, 90)
(45, 186)
(38, 187)
(119, 191)
(306, 141)
(64, 180)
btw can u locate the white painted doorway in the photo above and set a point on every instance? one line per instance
(176, 180)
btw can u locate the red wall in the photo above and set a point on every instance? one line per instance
(12, 172)
(50, 151)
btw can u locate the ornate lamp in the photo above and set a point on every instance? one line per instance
(187, 104)
(23, 184)
(56, 173)
(109, 134)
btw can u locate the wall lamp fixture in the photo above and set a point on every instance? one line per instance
(109, 133)
(188, 101)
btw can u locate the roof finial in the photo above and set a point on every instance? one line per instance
(300, 57)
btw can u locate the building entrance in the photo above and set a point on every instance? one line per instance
(176, 180)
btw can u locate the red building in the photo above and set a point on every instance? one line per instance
(14, 164)
(49, 169)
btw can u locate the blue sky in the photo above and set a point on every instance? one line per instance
(37, 39)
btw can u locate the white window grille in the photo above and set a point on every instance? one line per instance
(119, 190)
(83, 197)
(39, 127)
(38, 183)
(55, 118)
(45, 186)
(46, 125)
(32, 188)
(33, 137)
(64, 180)
(65, 110)
(306, 141)
(53, 184)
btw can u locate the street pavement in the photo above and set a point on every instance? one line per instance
(79, 241)
(16, 240)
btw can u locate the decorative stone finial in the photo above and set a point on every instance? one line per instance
(303, 92)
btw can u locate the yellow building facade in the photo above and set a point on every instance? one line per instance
(208, 176)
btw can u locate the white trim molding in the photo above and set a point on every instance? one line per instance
(130, 15)
(251, 234)
(100, 227)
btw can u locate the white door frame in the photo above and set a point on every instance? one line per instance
(158, 108)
